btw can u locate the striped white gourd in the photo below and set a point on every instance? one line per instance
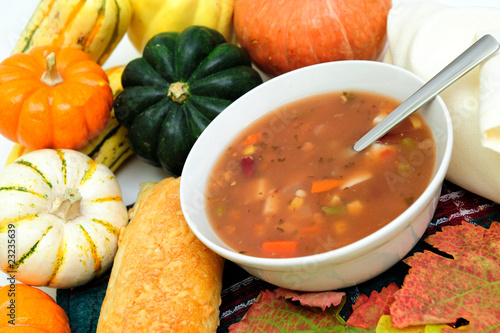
(63, 213)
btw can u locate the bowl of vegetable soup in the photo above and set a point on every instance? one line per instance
(274, 184)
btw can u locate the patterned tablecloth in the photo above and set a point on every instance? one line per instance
(240, 289)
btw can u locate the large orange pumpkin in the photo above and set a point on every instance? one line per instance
(283, 35)
(31, 310)
(53, 97)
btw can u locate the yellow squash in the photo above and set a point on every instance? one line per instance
(150, 17)
(95, 26)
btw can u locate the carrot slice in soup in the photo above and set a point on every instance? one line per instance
(281, 248)
(253, 139)
(324, 185)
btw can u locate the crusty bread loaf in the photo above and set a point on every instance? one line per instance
(163, 278)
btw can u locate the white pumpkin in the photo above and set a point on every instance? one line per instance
(61, 213)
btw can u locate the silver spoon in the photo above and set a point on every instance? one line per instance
(469, 59)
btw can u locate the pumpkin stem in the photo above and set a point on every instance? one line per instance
(178, 92)
(51, 76)
(67, 206)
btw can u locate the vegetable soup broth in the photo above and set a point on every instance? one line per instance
(291, 184)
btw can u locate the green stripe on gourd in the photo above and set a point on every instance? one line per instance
(93, 249)
(64, 166)
(32, 250)
(4, 224)
(109, 227)
(36, 170)
(21, 188)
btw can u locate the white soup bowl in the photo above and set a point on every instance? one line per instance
(351, 264)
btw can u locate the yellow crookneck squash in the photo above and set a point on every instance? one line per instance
(150, 17)
(60, 217)
(94, 26)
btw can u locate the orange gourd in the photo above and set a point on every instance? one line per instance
(283, 35)
(31, 310)
(53, 97)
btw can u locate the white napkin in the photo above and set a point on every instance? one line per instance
(424, 37)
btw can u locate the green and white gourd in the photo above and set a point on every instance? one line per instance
(62, 212)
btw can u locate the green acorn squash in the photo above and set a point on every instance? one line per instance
(178, 86)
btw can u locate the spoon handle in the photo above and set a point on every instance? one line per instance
(469, 59)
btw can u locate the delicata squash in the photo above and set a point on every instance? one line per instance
(94, 26)
(63, 212)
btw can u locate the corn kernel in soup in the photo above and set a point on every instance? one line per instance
(291, 184)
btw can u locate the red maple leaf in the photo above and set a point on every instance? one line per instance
(312, 299)
(439, 290)
(367, 310)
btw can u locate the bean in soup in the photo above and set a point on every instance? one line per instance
(292, 185)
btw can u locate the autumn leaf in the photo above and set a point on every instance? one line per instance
(271, 313)
(313, 299)
(440, 290)
(368, 310)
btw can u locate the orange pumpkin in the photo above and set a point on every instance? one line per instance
(31, 310)
(53, 97)
(283, 35)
